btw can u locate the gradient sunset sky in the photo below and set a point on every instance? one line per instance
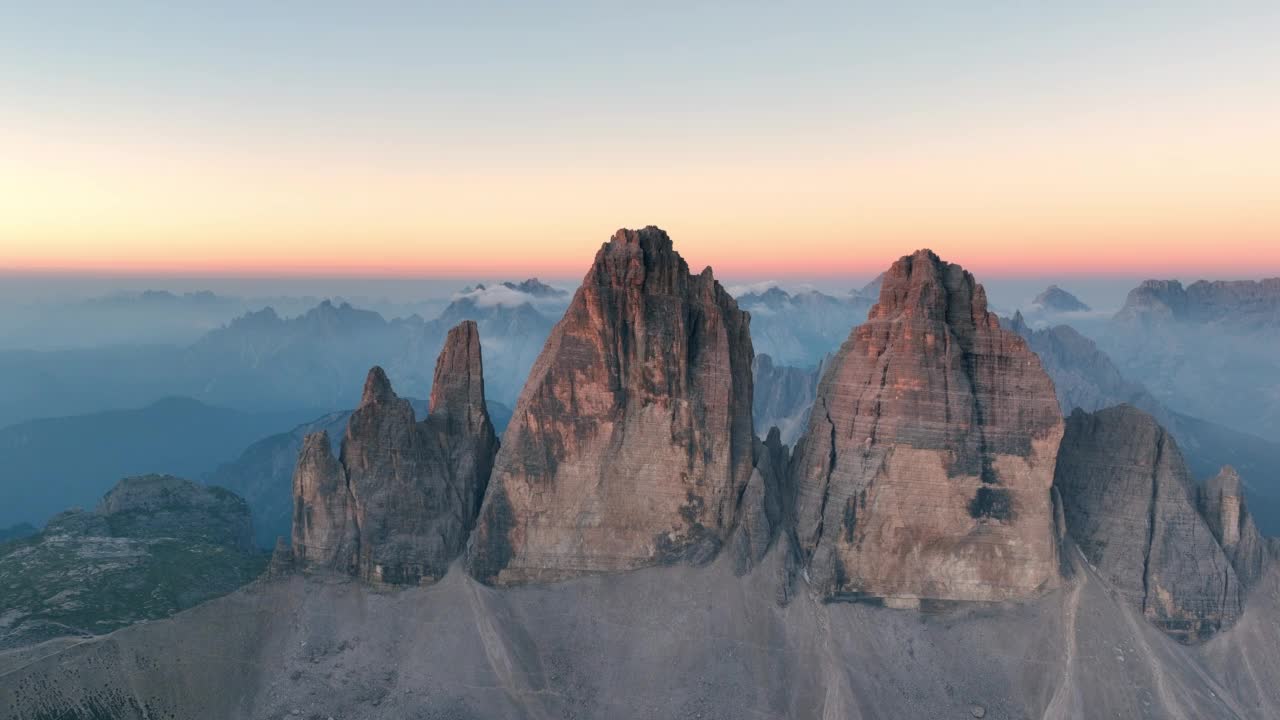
(770, 139)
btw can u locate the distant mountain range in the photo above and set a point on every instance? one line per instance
(263, 361)
(1210, 350)
(800, 328)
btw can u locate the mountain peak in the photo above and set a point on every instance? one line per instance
(645, 388)
(535, 287)
(397, 505)
(1055, 299)
(458, 387)
(377, 388)
(930, 451)
(924, 285)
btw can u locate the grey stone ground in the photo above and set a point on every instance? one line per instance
(671, 642)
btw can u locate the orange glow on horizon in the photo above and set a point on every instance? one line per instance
(1094, 194)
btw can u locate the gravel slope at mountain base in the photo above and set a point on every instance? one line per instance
(654, 643)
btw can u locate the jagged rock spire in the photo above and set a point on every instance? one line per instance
(1221, 502)
(377, 388)
(399, 504)
(457, 392)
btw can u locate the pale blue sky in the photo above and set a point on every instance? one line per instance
(992, 125)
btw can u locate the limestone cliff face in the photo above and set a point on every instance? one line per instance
(1221, 503)
(400, 503)
(926, 468)
(324, 524)
(765, 503)
(1130, 506)
(632, 440)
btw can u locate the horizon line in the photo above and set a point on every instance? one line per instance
(473, 273)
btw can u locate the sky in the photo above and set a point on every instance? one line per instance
(769, 139)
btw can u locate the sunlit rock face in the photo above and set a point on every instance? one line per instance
(1130, 507)
(398, 506)
(632, 441)
(926, 467)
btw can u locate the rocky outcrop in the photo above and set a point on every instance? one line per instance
(1130, 507)
(1221, 502)
(926, 468)
(168, 506)
(324, 522)
(632, 440)
(399, 504)
(154, 545)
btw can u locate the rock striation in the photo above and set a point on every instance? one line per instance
(1130, 506)
(1221, 503)
(632, 440)
(398, 505)
(926, 468)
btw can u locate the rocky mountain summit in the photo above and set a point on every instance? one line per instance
(632, 440)
(926, 467)
(1240, 304)
(155, 545)
(397, 506)
(1056, 300)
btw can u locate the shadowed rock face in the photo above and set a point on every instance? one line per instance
(324, 527)
(926, 468)
(398, 506)
(1130, 506)
(783, 396)
(1221, 502)
(632, 440)
(765, 504)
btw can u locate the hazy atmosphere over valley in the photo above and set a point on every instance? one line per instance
(575, 360)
